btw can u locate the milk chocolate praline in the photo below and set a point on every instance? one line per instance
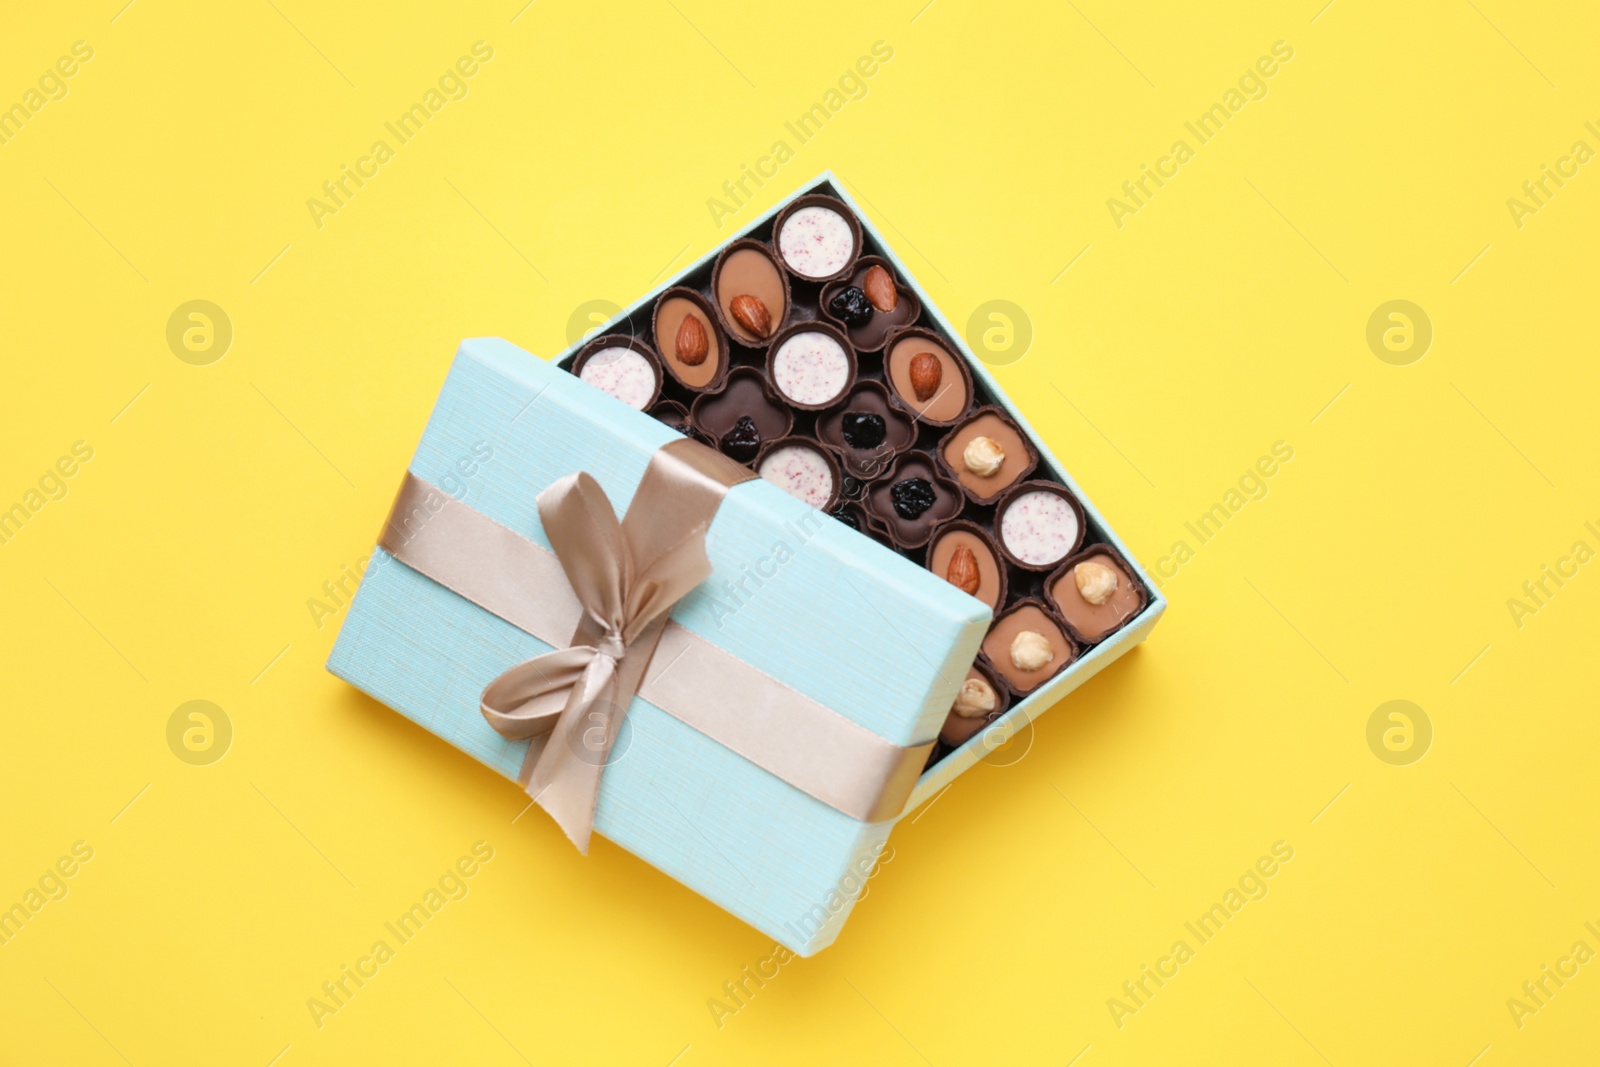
(1070, 539)
(745, 392)
(827, 203)
(953, 395)
(807, 481)
(1091, 623)
(871, 335)
(959, 729)
(617, 340)
(991, 422)
(749, 268)
(672, 307)
(812, 397)
(1030, 614)
(859, 458)
(913, 532)
(961, 533)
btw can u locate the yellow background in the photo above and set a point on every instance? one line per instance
(1228, 314)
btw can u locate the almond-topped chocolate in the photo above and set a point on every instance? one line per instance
(987, 454)
(912, 499)
(870, 303)
(963, 554)
(865, 430)
(751, 291)
(693, 348)
(742, 416)
(1027, 647)
(1096, 593)
(927, 378)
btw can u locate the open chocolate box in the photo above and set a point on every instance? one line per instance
(912, 558)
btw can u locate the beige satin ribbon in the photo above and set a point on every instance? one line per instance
(610, 586)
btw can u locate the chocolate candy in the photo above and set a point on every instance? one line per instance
(623, 367)
(912, 499)
(1095, 593)
(849, 428)
(927, 379)
(1039, 524)
(963, 554)
(870, 304)
(811, 364)
(987, 454)
(746, 271)
(817, 237)
(803, 469)
(693, 347)
(980, 701)
(744, 396)
(1027, 647)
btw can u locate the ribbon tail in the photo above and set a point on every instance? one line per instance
(566, 779)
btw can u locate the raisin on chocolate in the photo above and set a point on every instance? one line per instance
(912, 497)
(743, 441)
(851, 306)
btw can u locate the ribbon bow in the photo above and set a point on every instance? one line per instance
(627, 576)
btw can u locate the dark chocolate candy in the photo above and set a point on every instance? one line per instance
(912, 499)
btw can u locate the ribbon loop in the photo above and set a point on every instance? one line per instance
(626, 576)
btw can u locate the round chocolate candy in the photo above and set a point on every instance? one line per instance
(1038, 524)
(817, 237)
(623, 367)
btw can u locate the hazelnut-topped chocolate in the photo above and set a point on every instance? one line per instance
(692, 346)
(742, 416)
(811, 365)
(963, 554)
(752, 292)
(1096, 593)
(621, 366)
(930, 380)
(1038, 524)
(987, 454)
(870, 303)
(1027, 647)
(866, 430)
(980, 701)
(912, 499)
(818, 237)
(801, 468)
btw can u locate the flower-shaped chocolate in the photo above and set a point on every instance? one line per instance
(742, 416)
(865, 430)
(912, 499)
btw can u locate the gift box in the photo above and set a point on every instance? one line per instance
(757, 737)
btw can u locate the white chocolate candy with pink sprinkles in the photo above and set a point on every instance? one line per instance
(1039, 528)
(801, 472)
(810, 368)
(623, 373)
(816, 242)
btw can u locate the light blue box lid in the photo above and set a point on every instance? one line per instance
(795, 593)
